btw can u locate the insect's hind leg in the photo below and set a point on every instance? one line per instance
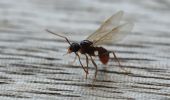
(118, 61)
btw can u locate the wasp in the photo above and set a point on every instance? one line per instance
(110, 31)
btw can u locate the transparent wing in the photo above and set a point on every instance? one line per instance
(114, 35)
(107, 26)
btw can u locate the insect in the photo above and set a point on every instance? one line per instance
(110, 31)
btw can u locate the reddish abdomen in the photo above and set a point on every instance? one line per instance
(103, 55)
(104, 58)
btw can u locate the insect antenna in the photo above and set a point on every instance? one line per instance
(59, 35)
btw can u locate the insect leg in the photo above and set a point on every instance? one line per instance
(118, 61)
(72, 62)
(87, 62)
(86, 71)
(95, 67)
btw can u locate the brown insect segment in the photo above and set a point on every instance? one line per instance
(103, 55)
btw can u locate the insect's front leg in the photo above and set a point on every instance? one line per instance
(72, 62)
(86, 71)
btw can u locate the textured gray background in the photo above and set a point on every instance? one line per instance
(32, 65)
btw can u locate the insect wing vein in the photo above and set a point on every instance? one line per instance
(107, 26)
(115, 34)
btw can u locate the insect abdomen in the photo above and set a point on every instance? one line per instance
(103, 55)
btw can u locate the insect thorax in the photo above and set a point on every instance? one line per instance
(86, 47)
(85, 43)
